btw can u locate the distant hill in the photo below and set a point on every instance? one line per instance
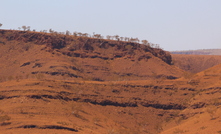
(199, 52)
(195, 63)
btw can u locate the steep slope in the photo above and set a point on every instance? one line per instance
(30, 54)
(205, 106)
(206, 122)
(210, 77)
(195, 63)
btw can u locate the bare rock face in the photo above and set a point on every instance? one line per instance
(164, 55)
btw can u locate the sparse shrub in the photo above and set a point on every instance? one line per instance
(179, 131)
(195, 122)
(2, 79)
(39, 76)
(65, 76)
(193, 82)
(26, 47)
(158, 127)
(27, 76)
(168, 119)
(178, 121)
(63, 123)
(96, 120)
(154, 75)
(170, 93)
(128, 47)
(10, 78)
(5, 118)
(188, 75)
(203, 127)
(211, 110)
(215, 101)
(14, 62)
(31, 115)
(207, 72)
(76, 109)
(111, 131)
(1, 111)
(18, 78)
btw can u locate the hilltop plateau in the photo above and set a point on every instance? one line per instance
(54, 83)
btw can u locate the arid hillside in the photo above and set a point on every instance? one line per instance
(195, 63)
(206, 102)
(187, 105)
(53, 83)
(24, 54)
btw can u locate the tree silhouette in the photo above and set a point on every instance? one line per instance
(126, 38)
(116, 37)
(152, 45)
(51, 31)
(145, 42)
(24, 28)
(136, 40)
(111, 37)
(28, 28)
(121, 38)
(79, 34)
(85, 35)
(157, 46)
(75, 34)
(68, 32)
(108, 37)
(0, 24)
(98, 36)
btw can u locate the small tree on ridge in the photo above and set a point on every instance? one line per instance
(24, 27)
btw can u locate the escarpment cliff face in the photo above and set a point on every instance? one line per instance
(57, 41)
(56, 55)
(111, 50)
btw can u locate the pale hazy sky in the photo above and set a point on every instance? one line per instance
(174, 24)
